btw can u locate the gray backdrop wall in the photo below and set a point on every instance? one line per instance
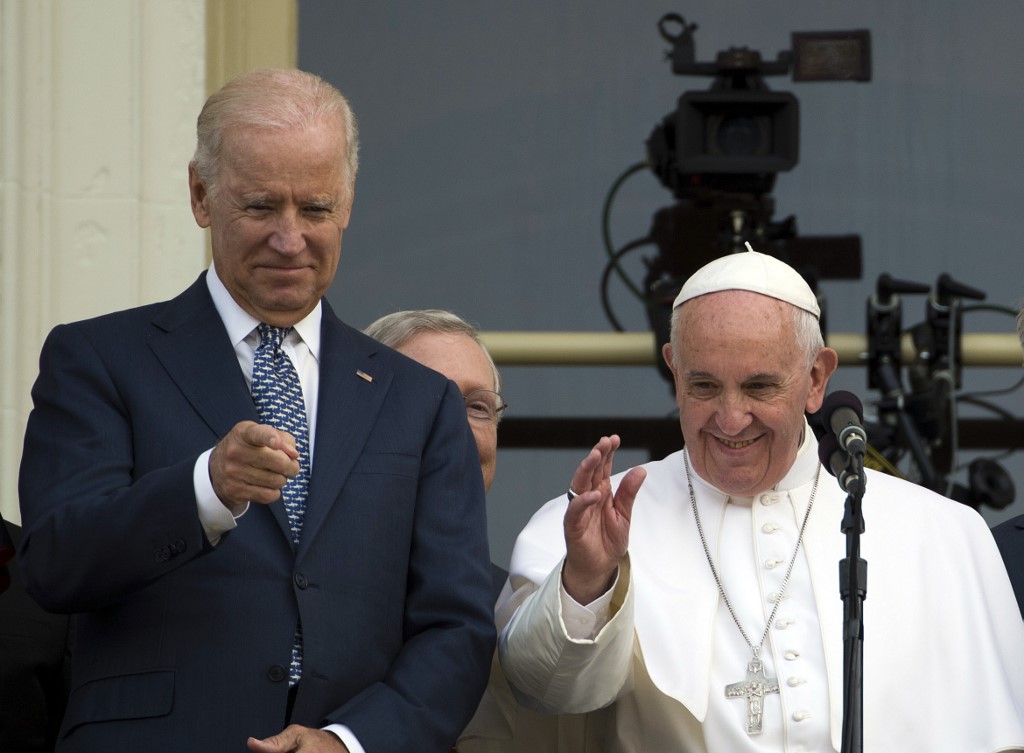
(492, 133)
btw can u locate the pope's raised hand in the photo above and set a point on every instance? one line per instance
(597, 522)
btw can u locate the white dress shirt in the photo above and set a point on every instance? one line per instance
(303, 348)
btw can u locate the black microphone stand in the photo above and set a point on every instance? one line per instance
(846, 463)
(853, 580)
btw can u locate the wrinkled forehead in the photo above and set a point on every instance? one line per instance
(456, 355)
(736, 310)
(735, 325)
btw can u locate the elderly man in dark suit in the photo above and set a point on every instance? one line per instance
(450, 345)
(269, 527)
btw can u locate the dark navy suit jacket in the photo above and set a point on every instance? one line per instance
(182, 646)
(1009, 536)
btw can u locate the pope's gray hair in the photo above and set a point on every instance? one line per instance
(805, 326)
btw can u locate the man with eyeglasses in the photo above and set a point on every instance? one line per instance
(447, 343)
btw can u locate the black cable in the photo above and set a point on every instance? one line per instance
(989, 307)
(988, 393)
(613, 265)
(1001, 412)
(606, 222)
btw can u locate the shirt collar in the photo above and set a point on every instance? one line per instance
(804, 466)
(240, 323)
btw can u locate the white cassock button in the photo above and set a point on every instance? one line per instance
(782, 623)
(767, 500)
(769, 528)
(795, 681)
(771, 564)
(792, 655)
(799, 716)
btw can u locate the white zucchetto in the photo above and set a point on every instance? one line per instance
(753, 271)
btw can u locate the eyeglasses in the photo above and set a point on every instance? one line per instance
(485, 406)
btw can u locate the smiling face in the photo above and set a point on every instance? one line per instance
(277, 216)
(460, 359)
(742, 386)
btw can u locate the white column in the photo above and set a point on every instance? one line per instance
(98, 101)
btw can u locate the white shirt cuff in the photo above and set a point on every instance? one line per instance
(215, 518)
(581, 622)
(346, 737)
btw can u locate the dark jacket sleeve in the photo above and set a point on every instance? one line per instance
(435, 682)
(101, 521)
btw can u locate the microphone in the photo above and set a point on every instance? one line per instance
(843, 414)
(840, 464)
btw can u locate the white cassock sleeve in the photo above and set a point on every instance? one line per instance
(551, 672)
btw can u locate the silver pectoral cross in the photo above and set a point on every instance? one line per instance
(753, 689)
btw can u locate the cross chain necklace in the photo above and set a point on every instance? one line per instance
(756, 685)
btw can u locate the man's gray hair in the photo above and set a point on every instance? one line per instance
(271, 98)
(394, 330)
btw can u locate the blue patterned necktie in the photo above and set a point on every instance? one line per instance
(278, 396)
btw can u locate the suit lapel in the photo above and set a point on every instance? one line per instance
(195, 350)
(193, 347)
(353, 386)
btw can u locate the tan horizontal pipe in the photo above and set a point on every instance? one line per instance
(637, 348)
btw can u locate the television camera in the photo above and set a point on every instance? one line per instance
(720, 151)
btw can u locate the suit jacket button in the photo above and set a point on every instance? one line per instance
(180, 546)
(300, 580)
(163, 554)
(276, 673)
